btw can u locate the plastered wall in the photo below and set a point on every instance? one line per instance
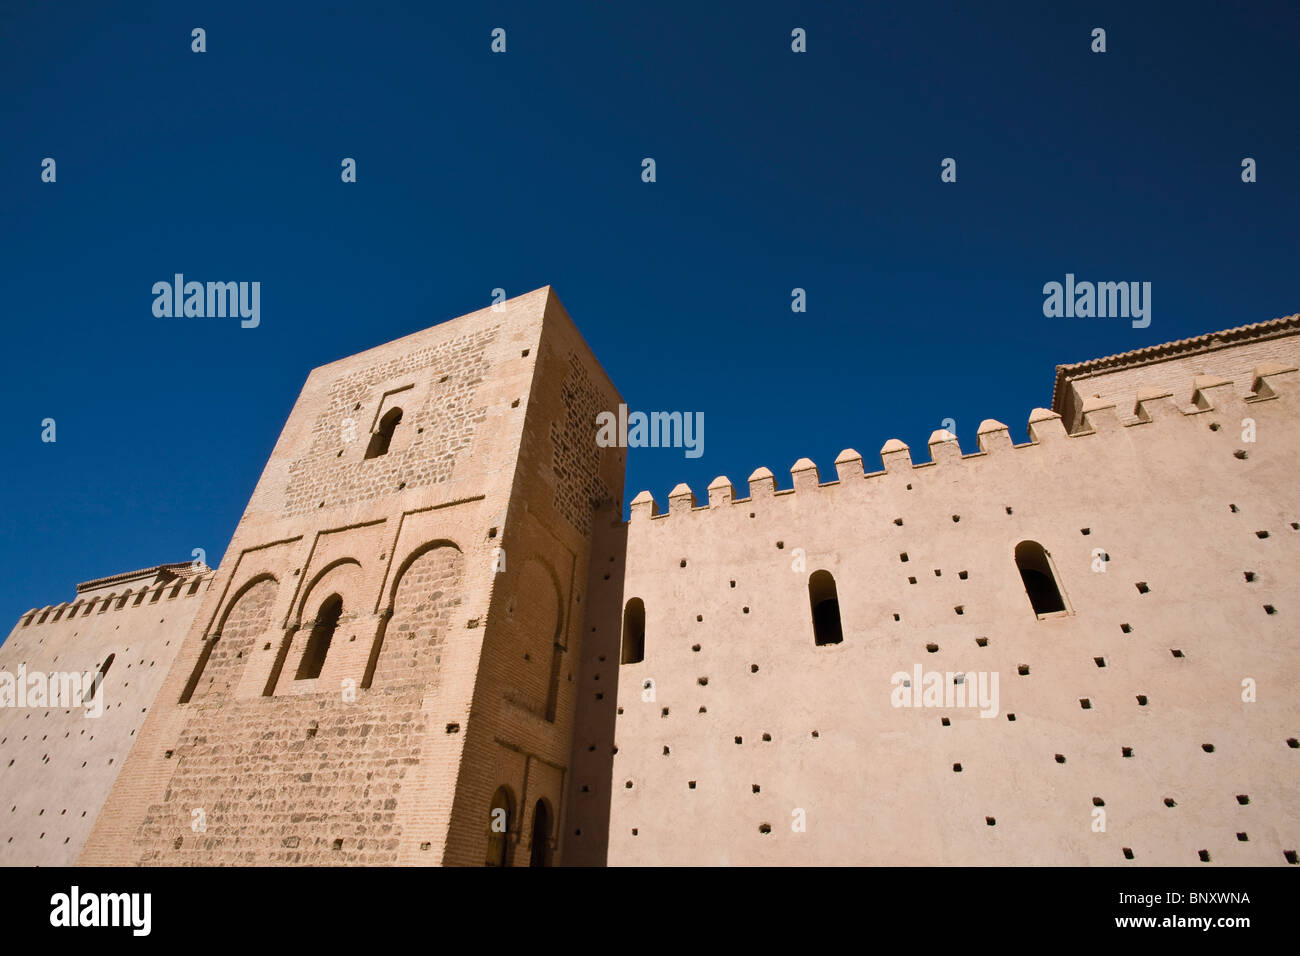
(1121, 735)
(57, 764)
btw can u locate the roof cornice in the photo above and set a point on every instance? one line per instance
(165, 571)
(1151, 354)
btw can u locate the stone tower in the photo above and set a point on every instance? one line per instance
(383, 669)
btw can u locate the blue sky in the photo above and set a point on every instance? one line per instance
(476, 170)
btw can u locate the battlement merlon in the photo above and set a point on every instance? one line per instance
(1046, 427)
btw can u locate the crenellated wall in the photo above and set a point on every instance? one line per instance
(1076, 650)
(1176, 544)
(57, 764)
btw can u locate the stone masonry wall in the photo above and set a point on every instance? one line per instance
(521, 729)
(360, 764)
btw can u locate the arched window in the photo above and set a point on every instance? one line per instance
(318, 644)
(825, 602)
(633, 632)
(1040, 580)
(224, 654)
(541, 849)
(383, 435)
(500, 818)
(99, 677)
